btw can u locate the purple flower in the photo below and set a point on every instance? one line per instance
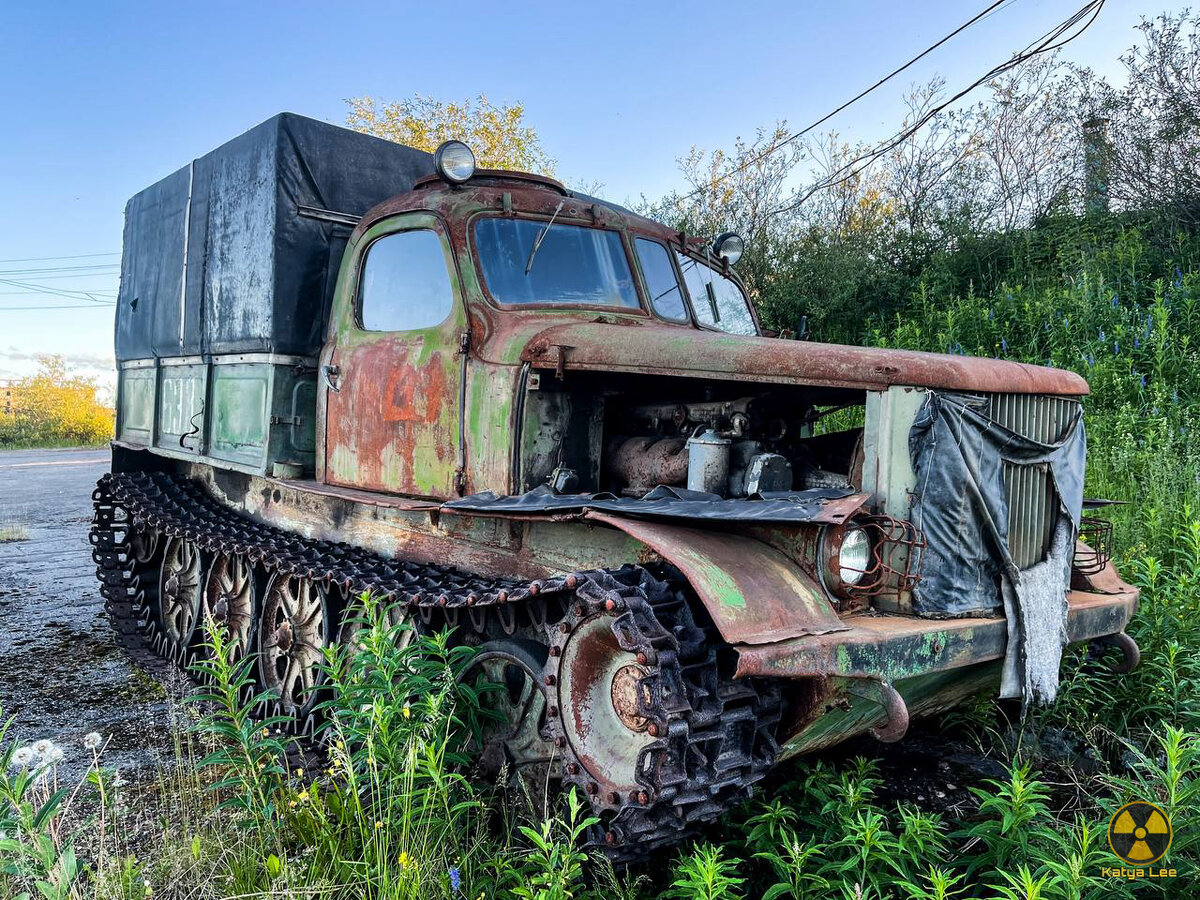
(1144, 386)
(1103, 336)
(1116, 348)
(1091, 360)
(1136, 342)
(455, 879)
(1004, 345)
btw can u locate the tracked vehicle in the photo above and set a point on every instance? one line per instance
(687, 550)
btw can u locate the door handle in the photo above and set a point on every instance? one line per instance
(330, 375)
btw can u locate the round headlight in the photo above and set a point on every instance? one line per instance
(854, 556)
(729, 247)
(454, 162)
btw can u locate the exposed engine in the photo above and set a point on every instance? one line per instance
(741, 447)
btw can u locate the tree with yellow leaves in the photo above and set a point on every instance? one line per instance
(497, 134)
(54, 407)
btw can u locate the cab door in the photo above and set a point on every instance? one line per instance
(392, 369)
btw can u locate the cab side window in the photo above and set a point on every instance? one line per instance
(405, 282)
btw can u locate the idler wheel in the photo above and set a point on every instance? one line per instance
(600, 691)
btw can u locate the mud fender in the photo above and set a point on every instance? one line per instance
(754, 594)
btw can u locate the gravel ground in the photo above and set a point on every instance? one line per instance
(61, 674)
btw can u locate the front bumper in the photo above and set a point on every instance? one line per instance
(886, 668)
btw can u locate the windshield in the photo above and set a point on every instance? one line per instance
(716, 301)
(574, 266)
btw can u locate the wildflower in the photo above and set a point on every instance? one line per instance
(53, 756)
(455, 879)
(91, 740)
(406, 861)
(266, 732)
(1103, 336)
(378, 824)
(1003, 345)
(291, 804)
(23, 757)
(407, 711)
(302, 796)
(1143, 382)
(299, 773)
(43, 746)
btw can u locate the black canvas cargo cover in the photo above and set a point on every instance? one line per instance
(259, 275)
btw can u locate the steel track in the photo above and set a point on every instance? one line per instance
(713, 737)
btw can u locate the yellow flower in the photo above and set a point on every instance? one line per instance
(292, 804)
(406, 861)
(303, 796)
(407, 711)
(299, 773)
(378, 824)
(266, 732)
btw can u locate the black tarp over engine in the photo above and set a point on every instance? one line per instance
(259, 274)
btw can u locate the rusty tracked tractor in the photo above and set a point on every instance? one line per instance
(686, 550)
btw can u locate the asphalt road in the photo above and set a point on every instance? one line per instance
(61, 674)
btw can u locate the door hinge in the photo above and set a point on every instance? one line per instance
(464, 342)
(286, 420)
(460, 481)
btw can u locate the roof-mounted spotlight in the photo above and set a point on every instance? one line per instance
(454, 162)
(729, 247)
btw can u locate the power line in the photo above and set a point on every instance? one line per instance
(993, 7)
(52, 269)
(53, 292)
(48, 308)
(50, 258)
(1044, 44)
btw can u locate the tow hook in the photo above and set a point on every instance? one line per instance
(880, 692)
(1128, 647)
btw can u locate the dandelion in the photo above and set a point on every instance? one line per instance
(455, 879)
(91, 741)
(407, 711)
(23, 758)
(43, 746)
(53, 756)
(302, 796)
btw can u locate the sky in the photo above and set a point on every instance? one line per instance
(98, 99)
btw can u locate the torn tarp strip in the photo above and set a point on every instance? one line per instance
(669, 503)
(961, 506)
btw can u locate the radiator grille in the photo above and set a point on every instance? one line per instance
(1032, 504)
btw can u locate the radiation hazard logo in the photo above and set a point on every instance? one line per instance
(1140, 833)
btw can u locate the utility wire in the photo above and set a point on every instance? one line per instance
(50, 308)
(1049, 42)
(778, 145)
(54, 292)
(40, 269)
(50, 258)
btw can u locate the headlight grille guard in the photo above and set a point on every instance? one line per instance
(896, 550)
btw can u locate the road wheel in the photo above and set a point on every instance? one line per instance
(295, 628)
(231, 600)
(179, 596)
(509, 675)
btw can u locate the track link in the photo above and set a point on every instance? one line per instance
(713, 737)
